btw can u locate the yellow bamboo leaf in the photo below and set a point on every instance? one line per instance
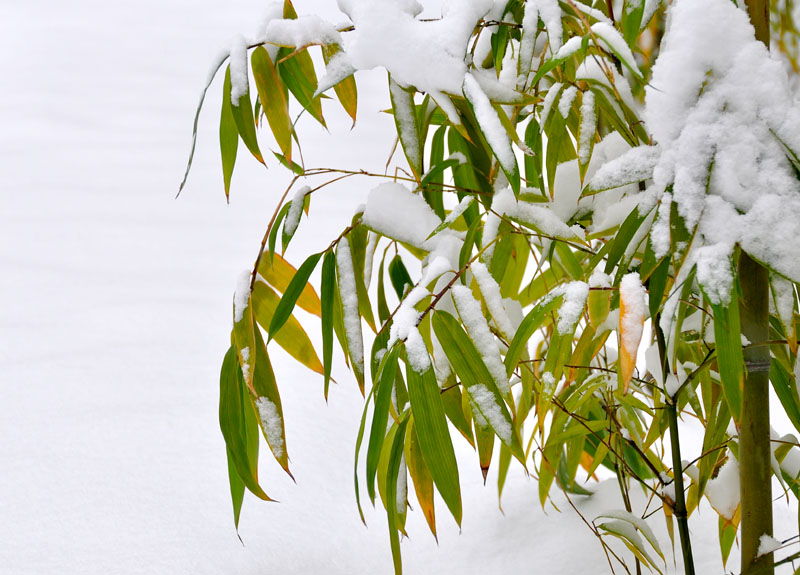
(278, 273)
(291, 337)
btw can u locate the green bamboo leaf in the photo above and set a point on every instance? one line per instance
(395, 457)
(292, 293)
(401, 280)
(273, 234)
(503, 463)
(359, 439)
(328, 289)
(434, 436)
(380, 416)
(237, 488)
(529, 325)
(288, 164)
(292, 337)
(470, 368)
(433, 179)
(211, 77)
(383, 307)
(728, 337)
(273, 99)
(623, 238)
(246, 124)
(268, 402)
(296, 69)
(279, 274)
(228, 134)
(233, 406)
(784, 386)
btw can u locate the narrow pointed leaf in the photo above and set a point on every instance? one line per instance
(529, 325)
(268, 403)
(293, 291)
(279, 274)
(477, 379)
(728, 337)
(292, 337)
(228, 134)
(246, 124)
(434, 436)
(395, 456)
(328, 289)
(273, 99)
(380, 416)
(423, 482)
(211, 77)
(233, 406)
(345, 90)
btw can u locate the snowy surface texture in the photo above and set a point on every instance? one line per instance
(116, 314)
(718, 102)
(427, 55)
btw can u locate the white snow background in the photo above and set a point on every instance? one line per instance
(116, 310)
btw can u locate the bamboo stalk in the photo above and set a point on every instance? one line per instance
(755, 469)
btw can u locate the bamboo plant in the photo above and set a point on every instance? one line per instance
(550, 208)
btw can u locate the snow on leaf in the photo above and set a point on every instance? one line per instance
(490, 290)
(477, 328)
(272, 424)
(347, 289)
(633, 306)
(490, 124)
(302, 31)
(295, 211)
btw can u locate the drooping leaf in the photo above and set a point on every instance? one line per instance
(279, 274)
(434, 436)
(728, 337)
(273, 99)
(423, 482)
(211, 77)
(380, 416)
(296, 70)
(268, 403)
(292, 337)
(395, 458)
(228, 134)
(233, 405)
(292, 293)
(529, 325)
(477, 379)
(245, 123)
(345, 90)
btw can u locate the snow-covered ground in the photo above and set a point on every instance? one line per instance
(115, 315)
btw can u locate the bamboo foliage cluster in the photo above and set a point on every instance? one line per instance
(557, 388)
